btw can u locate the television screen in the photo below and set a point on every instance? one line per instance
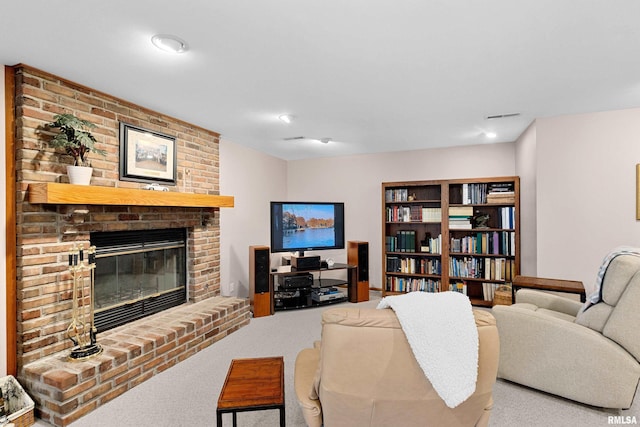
(306, 226)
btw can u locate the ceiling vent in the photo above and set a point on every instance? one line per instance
(503, 116)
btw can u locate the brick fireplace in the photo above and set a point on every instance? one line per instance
(45, 232)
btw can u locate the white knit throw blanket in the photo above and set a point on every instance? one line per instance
(596, 296)
(442, 333)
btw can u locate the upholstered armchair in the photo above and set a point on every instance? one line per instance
(549, 343)
(363, 373)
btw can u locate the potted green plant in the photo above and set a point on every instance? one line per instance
(77, 141)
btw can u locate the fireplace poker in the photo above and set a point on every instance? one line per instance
(78, 329)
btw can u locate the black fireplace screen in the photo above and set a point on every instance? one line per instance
(137, 273)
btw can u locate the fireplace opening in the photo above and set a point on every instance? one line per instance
(138, 273)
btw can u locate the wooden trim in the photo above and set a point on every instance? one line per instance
(638, 191)
(10, 226)
(68, 194)
(558, 285)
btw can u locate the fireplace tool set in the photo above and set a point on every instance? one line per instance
(82, 331)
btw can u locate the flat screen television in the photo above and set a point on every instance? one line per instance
(306, 226)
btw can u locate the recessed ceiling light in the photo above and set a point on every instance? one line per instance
(490, 135)
(169, 43)
(286, 118)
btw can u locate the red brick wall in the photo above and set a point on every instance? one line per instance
(45, 233)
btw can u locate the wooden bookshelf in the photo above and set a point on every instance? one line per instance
(61, 194)
(446, 235)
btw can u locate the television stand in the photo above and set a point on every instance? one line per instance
(318, 293)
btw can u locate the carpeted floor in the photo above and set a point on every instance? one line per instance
(186, 394)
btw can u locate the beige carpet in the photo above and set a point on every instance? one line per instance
(186, 394)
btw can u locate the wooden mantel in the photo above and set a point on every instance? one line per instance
(68, 194)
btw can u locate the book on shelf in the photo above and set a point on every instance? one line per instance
(507, 217)
(481, 193)
(501, 187)
(430, 266)
(458, 287)
(489, 243)
(499, 269)
(460, 211)
(396, 195)
(507, 197)
(473, 194)
(431, 245)
(460, 224)
(431, 214)
(488, 290)
(412, 284)
(398, 214)
(403, 241)
(408, 265)
(416, 213)
(460, 217)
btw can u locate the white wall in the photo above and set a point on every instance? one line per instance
(356, 181)
(254, 179)
(586, 191)
(3, 236)
(526, 166)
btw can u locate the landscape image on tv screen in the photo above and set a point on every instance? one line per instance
(308, 226)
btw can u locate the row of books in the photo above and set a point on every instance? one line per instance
(432, 245)
(405, 241)
(507, 217)
(458, 287)
(474, 194)
(409, 284)
(413, 265)
(396, 195)
(489, 290)
(489, 243)
(495, 192)
(415, 213)
(482, 268)
(459, 216)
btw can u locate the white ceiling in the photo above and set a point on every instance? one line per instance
(374, 75)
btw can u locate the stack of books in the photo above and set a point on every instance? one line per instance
(460, 217)
(501, 193)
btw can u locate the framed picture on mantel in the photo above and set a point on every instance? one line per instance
(147, 156)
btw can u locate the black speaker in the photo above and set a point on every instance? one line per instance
(363, 262)
(259, 293)
(261, 269)
(358, 255)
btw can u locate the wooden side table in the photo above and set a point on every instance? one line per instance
(252, 385)
(569, 286)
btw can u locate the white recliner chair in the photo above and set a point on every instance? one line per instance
(593, 356)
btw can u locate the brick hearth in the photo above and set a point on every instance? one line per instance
(132, 354)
